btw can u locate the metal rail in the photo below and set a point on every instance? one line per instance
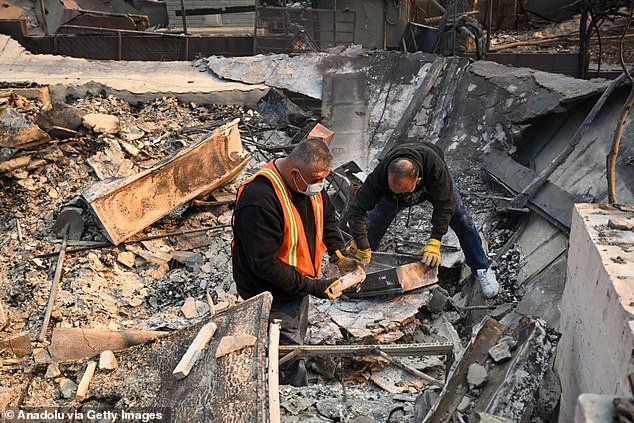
(434, 348)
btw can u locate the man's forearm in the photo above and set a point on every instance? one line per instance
(357, 221)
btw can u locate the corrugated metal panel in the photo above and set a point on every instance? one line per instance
(211, 21)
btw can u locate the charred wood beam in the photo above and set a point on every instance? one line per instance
(216, 10)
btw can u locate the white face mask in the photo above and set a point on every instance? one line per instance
(311, 189)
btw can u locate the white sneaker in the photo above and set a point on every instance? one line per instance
(488, 282)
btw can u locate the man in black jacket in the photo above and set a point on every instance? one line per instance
(283, 222)
(410, 174)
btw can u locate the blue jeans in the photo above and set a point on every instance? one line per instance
(380, 218)
(294, 317)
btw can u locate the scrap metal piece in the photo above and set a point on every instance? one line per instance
(127, 205)
(433, 348)
(17, 132)
(387, 275)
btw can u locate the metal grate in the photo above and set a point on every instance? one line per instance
(284, 29)
(129, 45)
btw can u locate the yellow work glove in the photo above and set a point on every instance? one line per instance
(344, 263)
(364, 256)
(431, 253)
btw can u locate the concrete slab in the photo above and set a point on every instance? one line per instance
(131, 81)
(597, 308)
(593, 408)
(345, 110)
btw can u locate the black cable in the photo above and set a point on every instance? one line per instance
(399, 408)
(595, 25)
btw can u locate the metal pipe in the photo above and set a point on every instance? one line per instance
(184, 17)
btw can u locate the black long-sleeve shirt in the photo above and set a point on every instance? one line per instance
(258, 231)
(436, 187)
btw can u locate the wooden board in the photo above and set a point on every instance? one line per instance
(69, 344)
(127, 205)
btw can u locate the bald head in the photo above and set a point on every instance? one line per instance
(402, 176)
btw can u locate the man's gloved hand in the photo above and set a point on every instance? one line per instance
(364, 256)
(318, 287)
(431, 253)
(344, 262)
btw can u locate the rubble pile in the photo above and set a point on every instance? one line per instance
(115, 288)
(173, 282)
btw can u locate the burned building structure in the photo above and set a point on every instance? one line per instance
(119, 168)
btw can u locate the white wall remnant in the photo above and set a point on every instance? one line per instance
(597, 308)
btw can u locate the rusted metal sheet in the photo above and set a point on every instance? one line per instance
(101, 20)
(395, 274)
(17, 132)
(138, 15)
(127, 205)
(276, 27)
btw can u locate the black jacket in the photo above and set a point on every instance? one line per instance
(436, 187)
(257, 232)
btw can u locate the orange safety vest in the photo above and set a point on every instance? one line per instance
(294, 250)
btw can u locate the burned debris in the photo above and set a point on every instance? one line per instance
(118, 196)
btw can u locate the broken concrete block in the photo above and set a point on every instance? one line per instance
(15, 163)
(500, 352)
(129, 148)
(188, 258)
(60, 115)
(101, 123)
(126, 206)
(17, 345)
(595, 408)
(230, 344)
(127, 258)
(17, 132)
(110, 162)
(477, 375)
(189, 309)
(107, 361)
(489, 418)
(41, 356)
(438, 301)
(510, 341)
(52, 371)
(67, 387)
(621, 224)
(465, 402)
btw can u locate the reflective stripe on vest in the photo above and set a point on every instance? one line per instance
(294, 250)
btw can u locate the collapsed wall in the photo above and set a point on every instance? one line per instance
(597, 308)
